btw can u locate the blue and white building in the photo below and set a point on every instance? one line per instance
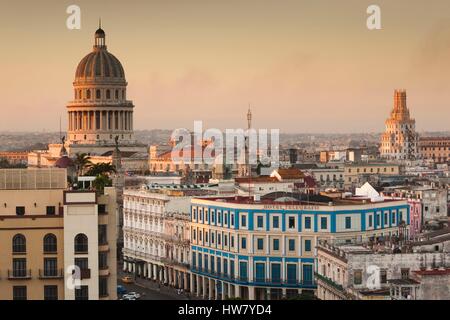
(265, 248)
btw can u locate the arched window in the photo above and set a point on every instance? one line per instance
(108, 94)
(88, 94)
(50, 243)
(81, 243)
(97, 94)
(19, 244)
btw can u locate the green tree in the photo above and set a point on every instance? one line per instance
(82, 162)
(100, 169)
(101, 181)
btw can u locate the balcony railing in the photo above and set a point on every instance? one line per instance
(19, 274)
(257, 281)
(329, 282)
(51, 274)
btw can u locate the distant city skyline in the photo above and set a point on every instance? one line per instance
(305, 67)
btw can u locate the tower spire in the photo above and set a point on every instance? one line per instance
(249, 116)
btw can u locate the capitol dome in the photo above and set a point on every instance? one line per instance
(100, 112)
(100, 65)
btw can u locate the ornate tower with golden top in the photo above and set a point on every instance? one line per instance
(399, 141)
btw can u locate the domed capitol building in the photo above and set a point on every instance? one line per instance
(99, 115)
(100, 111)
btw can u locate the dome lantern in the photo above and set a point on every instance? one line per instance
(100, 36)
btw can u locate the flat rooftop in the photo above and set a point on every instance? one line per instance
(288, 198)
(33, 179)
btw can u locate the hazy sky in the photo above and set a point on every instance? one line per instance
(304, 65)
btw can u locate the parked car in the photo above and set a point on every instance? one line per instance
(128, 297)
(127, 279)
(121, 290)
(134, 294)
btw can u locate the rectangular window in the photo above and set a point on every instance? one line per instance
(307, 222)
(103, 260)
(370, 221)
(103, 287)
(357, 277)
(260, 244)
(50, 210)
(102, 209)
(244, 243)
(243, 270)
(19, 267)
(323, 223)
(307, 245)
(348, 222)
(276, 244)
(19, 293)
(225, 266)
(232, 219)
(20, 211)
(405, 273)
(219, 265)
(291, 244)
(50, 267)
(383, 276)
(82, 293)
(276, 273)
(275, 222)
(260, 273)
(232, 241)
(244, 221)
(291, 223)
(291, 270)
(50, 292)
(260, 222)
(82, 263)
(225, 240)
(102, 234)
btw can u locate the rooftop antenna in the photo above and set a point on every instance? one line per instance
(247, 156)
(99, 22)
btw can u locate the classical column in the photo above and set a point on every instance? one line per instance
(205, 280)
(211, 290)
(251, 293)
(237, 291)
(198, 285)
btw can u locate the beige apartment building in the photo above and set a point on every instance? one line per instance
(353, 172)
(435, 148)
(47, 231)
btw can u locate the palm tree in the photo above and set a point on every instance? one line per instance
(101, 181)
(82, 161)
(102, 168)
